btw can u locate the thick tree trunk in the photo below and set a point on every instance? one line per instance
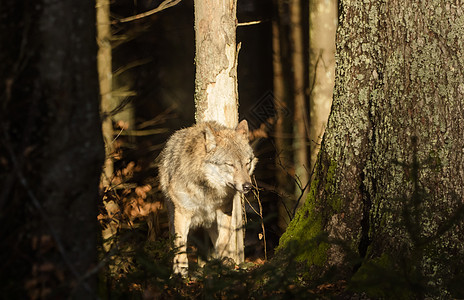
(216, 93)
(51, 149)
(389, 179)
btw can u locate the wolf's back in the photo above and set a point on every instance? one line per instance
(182, 156)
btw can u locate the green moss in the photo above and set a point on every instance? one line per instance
(302, 234)
(305, 237)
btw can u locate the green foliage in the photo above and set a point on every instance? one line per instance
(134, 263)
(149, 276)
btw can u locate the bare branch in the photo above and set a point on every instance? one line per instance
(165, 4)
(260, 214)
(252, 22)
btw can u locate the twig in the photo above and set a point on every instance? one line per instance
(262, 219)
(165, 4)
(302, 192)
(260, 214)
(144, 132)
(132, 65)
(160, 118)
(290, 214)
(273, 189)
(299, 198)
(250, 23)
(116, 137)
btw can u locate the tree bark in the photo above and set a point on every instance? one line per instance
(105, 74)
(283, 125)
(300, 120)
(322, 28)
(216, 93)
(51, 149)
(389, 178)
(291, 130)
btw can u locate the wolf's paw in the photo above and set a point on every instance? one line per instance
(181, 269)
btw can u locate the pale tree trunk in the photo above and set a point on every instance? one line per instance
(300, 133)
(291, 130)
(105, 72)
(322, 27)
(389, 178)
(216, 94)
(113, 92)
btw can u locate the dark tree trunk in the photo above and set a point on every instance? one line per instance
(51, 149)
(389, 185)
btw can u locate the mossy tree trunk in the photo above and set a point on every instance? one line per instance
(389, 178)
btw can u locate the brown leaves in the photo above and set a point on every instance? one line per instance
(138, 206)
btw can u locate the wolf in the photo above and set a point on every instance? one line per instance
(201, 169)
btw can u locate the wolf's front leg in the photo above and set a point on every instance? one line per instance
(181, 230)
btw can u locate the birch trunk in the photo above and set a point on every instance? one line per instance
(105, 72)
(216, 94)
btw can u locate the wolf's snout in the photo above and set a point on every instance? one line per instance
(246, 187)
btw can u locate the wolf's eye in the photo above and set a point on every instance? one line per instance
(229, 164)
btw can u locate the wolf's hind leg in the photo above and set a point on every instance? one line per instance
(181, 230)
(213, 235)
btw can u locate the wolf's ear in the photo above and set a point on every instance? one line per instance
(242, 128)
(210, 140)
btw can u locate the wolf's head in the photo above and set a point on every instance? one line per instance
(229, 160)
